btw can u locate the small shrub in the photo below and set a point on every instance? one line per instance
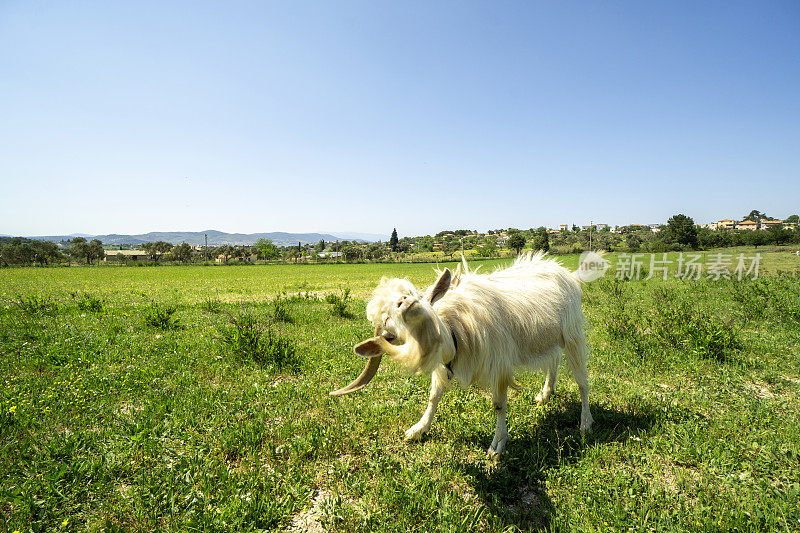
(211, 305)
(339, 304)
(622, 325)
(243, 336)
(247, 339)
(90, 303)
(774, 298)
(160, 317)
(619, 318)
(752, 296)
(710, 338)
(113, 330)
(280, 310)
(680, 324)
(34, 304)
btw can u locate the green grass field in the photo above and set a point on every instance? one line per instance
(190, 398)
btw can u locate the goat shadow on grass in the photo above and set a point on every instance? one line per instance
(513, 487)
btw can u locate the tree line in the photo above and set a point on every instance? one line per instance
(678, 234)
(20, 251)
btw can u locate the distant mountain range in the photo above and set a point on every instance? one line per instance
(217, 238)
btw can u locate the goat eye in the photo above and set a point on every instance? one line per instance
(388, 336)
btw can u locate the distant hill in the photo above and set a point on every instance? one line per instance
(355, 236)
(217, 238)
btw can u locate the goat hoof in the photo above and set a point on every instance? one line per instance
(415, 433)
(497, 448)
(493, 454)
(542, 399)
(586, 424)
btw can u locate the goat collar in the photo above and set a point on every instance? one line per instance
(449, 365)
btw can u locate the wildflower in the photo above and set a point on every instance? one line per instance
(65, 522)
(12, 409)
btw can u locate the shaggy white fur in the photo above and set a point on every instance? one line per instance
(481, 329)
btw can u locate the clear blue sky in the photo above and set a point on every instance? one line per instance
(128, 117)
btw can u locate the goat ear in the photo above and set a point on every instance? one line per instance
(441, 286)
(369, 348)
(456, 277)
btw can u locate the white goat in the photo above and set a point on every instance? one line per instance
(481, 328)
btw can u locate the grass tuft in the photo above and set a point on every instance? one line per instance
(339, 304)
(248, 339)
(161, 317)
(280, 310)
(211, 305)
(90, 303)
(36, 305)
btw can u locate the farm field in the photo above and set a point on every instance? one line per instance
(180, 398)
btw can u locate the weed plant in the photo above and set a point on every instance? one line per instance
(36, 305)
(339, 304)
(161, 316)
(280, 310)
(248, 339)
(677, 322)
(774, 297)
(90, 303)
(211, 305)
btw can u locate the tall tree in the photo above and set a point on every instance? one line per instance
(542, 240)
(489, 248)
(756, 216)
(778, 234)
(182, 252)
(95, 251)
(449, 247)
(393, 240)
(266, 250)
(517, 242)
(45, 251)
(351, 253)
(633, 242)
(226, 251)
(79, 249)
(156, 249)
(17, 252)
(681, 229)
(756, 238)
(375, 250)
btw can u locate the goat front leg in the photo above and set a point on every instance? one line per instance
(500, 404)
(438, 385)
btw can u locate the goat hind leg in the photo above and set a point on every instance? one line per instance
(500, 404)
(577, 353)
(551, 376)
